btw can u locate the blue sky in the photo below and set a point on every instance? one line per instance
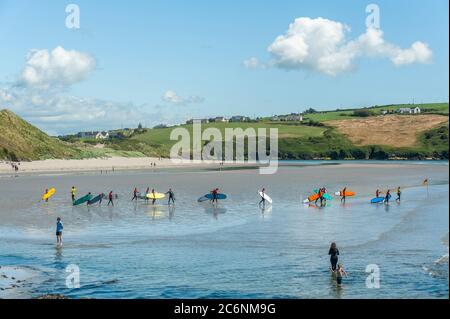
(166, 61)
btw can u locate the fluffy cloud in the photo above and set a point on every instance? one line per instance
(60, 67)
(321, 45)
(252, 63)
(172, 97)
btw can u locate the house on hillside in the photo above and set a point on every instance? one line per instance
(116, 134)
(293, 117)
(203, 121)
(239, 118)
(102, 136)
(405, 110)
(221, 119)
(91, 134)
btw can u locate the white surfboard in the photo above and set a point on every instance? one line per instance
(266, 197)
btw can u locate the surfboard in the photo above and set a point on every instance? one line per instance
(96, 199)
(266, 197)
(155, 196)
(326, 195)
(347, 193)
(377, 200)
(218, 196)
(82, 200)
(49, 194)
(203, 199)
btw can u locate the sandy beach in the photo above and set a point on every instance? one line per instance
(105, 164)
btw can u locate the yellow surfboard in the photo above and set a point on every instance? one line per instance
(155, 196)
(49, 194)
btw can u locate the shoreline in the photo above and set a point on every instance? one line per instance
(112, 164)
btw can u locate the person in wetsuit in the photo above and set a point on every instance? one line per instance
(388, 195)
(73, 193)
(154, 196)
(135, 194)
(399, 194)
(110, 198)
(343, 197)
(171, 196)
(334, 253)
(214, 193)
(263, 200)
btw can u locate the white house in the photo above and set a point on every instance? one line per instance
(102, 136)
(220, 119)
(405, 110)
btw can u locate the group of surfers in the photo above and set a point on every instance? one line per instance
(322, 191)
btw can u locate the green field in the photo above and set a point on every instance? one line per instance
(437, 108)
(310, 139)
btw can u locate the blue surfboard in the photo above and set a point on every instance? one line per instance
(377, 200)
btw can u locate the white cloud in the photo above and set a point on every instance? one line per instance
(172, 97)
(321, 45)
(60, 67)
(252, 63)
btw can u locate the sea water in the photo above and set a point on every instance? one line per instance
(236, 249)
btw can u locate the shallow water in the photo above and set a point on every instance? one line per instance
(235, 250)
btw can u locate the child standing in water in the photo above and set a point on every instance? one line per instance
(59, 229)
(340, 272)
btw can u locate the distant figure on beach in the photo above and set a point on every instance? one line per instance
(334, 253)
(146, 193)
(73, 193)
(377, 193)
(171, 196)
(110, 199)
(399, 194)
(263, 200)
(154, 196)
(46, 191)
(388, 195)
(343, 194)
(340, 272)
(59, 229)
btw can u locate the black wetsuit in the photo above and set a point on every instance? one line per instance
(171, 197)
(334, 258)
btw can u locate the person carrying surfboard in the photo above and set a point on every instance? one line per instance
(73, 192)
(343, 194)
(46, 199)
(399, 194)
(110, 199)
(214, 193)
(154, 196)
(59, 229)
(171, 196)
(263, 200)
(377, 193)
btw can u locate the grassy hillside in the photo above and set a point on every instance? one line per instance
(430, 108)
(20, 140)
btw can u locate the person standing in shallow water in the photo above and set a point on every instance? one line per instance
(399, 194)
(334, 253)
(59, 229)
(110, 199)
(340, 272)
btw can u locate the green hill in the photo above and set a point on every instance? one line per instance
(20, 140)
